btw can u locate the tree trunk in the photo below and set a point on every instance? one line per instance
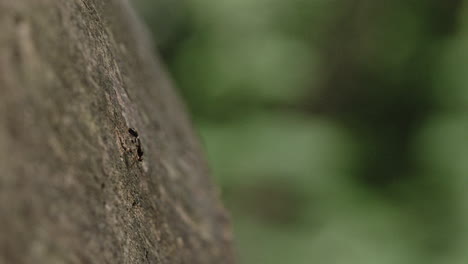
(98, 160)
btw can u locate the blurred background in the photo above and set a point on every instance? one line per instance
(337, 129)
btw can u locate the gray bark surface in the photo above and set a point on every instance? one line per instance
(75, 75)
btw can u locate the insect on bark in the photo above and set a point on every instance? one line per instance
(137, 141)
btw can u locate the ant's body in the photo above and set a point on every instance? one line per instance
(137, 141)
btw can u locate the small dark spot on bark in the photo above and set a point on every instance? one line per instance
(146, 255)
(103, 185)
(18, 19)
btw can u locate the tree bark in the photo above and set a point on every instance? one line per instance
(75, 76)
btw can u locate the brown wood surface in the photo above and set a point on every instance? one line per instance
(75, 76)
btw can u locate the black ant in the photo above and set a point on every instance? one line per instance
(137, 141)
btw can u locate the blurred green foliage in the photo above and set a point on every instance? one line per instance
(336, 129)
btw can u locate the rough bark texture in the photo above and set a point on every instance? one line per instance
(75, 75)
